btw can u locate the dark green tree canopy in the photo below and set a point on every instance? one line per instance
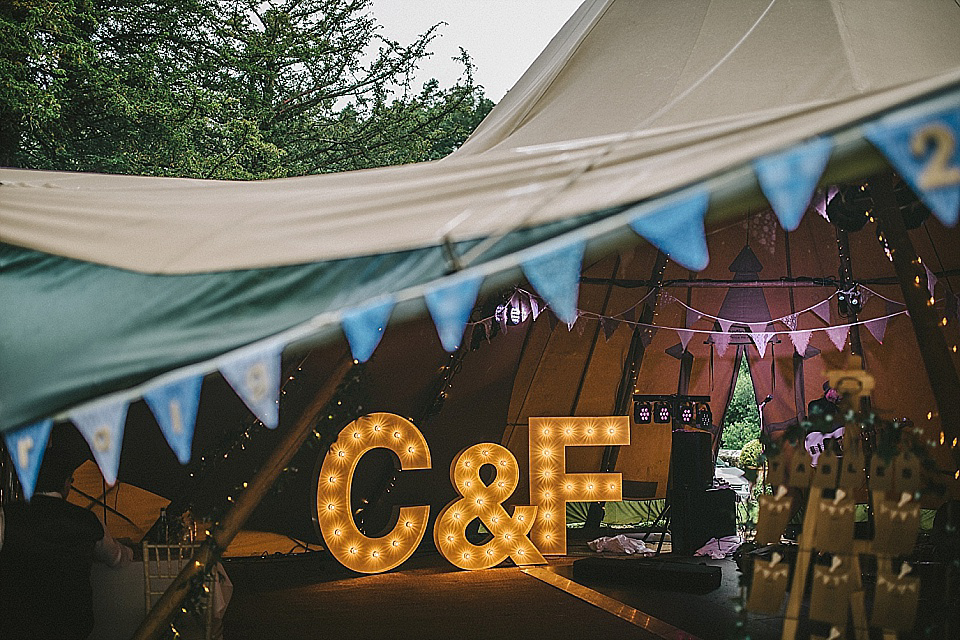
(238, 89)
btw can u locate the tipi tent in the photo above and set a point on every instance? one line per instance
(640, 117)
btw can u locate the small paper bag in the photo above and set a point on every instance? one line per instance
(769, 585)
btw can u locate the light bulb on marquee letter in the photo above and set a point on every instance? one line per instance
(484, 501)
(344, 540)
(551, 487)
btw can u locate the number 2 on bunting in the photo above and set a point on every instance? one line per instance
(938, 172)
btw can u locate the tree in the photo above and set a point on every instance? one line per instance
(240, 89)
(741, 422)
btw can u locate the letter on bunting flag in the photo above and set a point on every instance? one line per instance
(102, 427)
(255, 376)
(364, 327)
(923, 148)
(450, 304)
(789, 178)
(175, 407)
(556, 277)
(26, 447)
(677, 229)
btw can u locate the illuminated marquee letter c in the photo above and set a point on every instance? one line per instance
(344, 540)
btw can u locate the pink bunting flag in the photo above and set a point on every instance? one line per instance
(823, 311)
(877, 328)
(757, 327)
(800, 340)
(722, 341)
(684, 336)
(761, 339)
(838, 336)
(725, 325)
(790, 321)
(865, 294)
(931, 280)
(692, 317)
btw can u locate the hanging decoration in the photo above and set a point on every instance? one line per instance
(175, 407)
(684, 335)
(102, 427)
(450, 305)
(722, 341)
(823, 311)
(877, 328)
(931, 280)
(789, 178)
(923, 150)
(677, 229)
(364, 327)
(800, 340)
(26, 447)
(556, 277)
(255, 376)
(838, 336)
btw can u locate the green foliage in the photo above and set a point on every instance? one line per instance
(237, 89)
(750, 455)
(741, 422)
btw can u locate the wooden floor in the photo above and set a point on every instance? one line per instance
(309, 597)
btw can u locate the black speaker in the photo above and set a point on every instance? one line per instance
(691, 463)
(697, 516)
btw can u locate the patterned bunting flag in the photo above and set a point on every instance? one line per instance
(609, 326)
(102, 427)
(922, 148)
(791, 321)
(800, 340)
(26, 447)
(677, 229)
(931, 280)
(556, 277)
(877, 328)
(789, 178)
(761, 339)
(823, 311)
(364, 327)
(255, 376)
(838, 336)
(175, 407)
(450, 304)
(722, 341)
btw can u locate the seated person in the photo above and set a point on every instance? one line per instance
(49, 546)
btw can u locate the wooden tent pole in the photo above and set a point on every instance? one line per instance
(220, 537)
(943, 377)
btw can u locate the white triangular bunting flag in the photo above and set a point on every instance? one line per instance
(789, 178)
(823, 311)
(26, 447)
(102, 428)
(556, 277)
(255, 376)
(684, 336)
(800, 340)
(877, 328)
(761, 339)
(677, 229)
(791, 321)
(838, 336)
(931, 280)
(725, 324)
(450, 304)
(175, 407)
(364, 327)
(921, 149)
(722, 341)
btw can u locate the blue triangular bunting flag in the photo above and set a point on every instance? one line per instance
(788, 179)
(450, 305)
(255, 376)
(364, 326)
(26, 447)
(677, 229)
(925, 151)
(102, 428)
(175, 407)
(556, 277)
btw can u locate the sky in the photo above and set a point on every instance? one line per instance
(502, 36)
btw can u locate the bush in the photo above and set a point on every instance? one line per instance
(750, 455)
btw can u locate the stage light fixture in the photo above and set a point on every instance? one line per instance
(849, 301)
(704, 417)
(661, 412)
(687, 414)
(642, 413)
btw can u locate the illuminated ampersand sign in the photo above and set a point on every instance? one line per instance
(344, 540)
(484, 501)
(551, 487)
